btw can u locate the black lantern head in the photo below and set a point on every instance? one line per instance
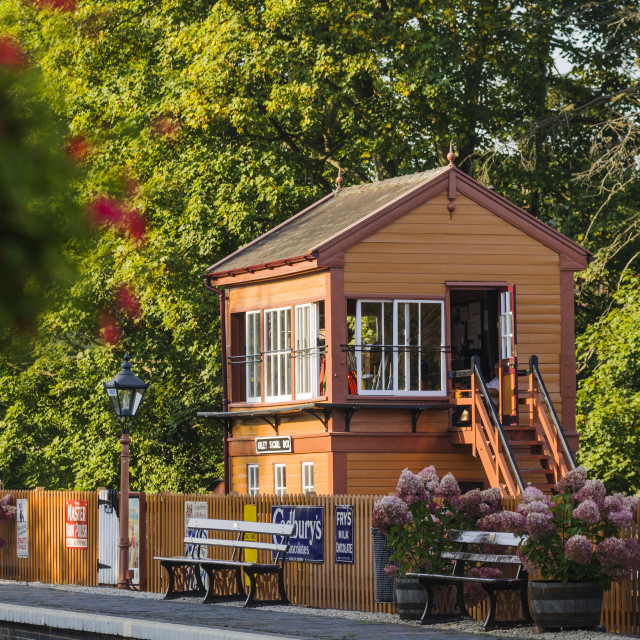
(125, 392)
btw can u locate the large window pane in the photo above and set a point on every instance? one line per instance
(307, 355)
(253, 356)
(399, 346)
(277, 341)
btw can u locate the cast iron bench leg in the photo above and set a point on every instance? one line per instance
(489, 623)
(428, 607)
(281, 589)
(525, 603)
(250, 601)
(169, 592)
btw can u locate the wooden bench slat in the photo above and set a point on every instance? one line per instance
(447, 577)
(484, 537)
(244, 544)
(481, 557)
(265, 528)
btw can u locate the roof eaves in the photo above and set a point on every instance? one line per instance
(213, 267)
(284, 262)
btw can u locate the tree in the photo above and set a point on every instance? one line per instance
(609, 397)
(206, 123)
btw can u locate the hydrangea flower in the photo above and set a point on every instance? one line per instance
(411, 488)
(631, 503)
(503, 521)
(492, 497)
(588, 511)
(579, 549)
(535, 506)
(540, 525)
(573, 481)
(430, 478)
(474, 594)
(618, 557)
(533, 494)
(472, 503)
(449, 490)
(622, 518)
(389, 511)
(612, 504)
(592, 490)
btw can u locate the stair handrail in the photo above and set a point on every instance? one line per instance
(535, 370)
(484, 392)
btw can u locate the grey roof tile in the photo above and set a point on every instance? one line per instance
(302, 233)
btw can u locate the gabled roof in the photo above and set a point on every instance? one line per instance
(344, 217)
(317, 224)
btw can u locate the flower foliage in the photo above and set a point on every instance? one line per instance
(417, 518)
(575, 536)
(7, 512)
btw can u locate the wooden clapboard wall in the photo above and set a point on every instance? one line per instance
(419, 252)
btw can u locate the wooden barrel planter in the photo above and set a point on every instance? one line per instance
(410, 598)
(570, 605)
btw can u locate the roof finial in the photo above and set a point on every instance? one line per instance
(339, 179)
(451, 156)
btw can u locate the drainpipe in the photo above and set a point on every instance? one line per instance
(225, 393)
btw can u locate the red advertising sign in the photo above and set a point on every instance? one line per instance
(76, 524)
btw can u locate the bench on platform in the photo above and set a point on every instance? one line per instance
(204, 533)
(499, 542)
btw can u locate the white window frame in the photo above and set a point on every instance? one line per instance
(254, 359)
(253, 479)
(306, 346)
(279, 359)
(308, 485)
(394, 391)
(280, 479)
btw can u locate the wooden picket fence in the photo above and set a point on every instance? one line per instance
(325, 585)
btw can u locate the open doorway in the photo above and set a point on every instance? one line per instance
(474, 329)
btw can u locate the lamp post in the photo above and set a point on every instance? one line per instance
(125, 392)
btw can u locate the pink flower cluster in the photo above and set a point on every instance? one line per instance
(411, 488)
(7, 511)
(618, 558)
(390, 511)
(578, 549)
(503, 521)
(477, 504)
(573, 481)
(474, 594)
(592, 490)
(449, 490)
(535, 506)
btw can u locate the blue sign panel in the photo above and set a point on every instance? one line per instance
(344, 534)
(307, 542)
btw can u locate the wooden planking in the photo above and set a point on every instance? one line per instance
(266, 478)
(49, 560)
(377, 473)
(284, 292)
(371, 421)
(254, 427)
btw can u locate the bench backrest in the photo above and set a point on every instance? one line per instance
(242, 529)
(492, 538)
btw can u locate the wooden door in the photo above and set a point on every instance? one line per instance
(508, 356)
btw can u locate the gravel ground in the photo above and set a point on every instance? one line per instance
(470, 626)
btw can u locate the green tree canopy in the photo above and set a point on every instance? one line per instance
(203, 123)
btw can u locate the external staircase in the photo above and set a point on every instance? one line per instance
(535, 451)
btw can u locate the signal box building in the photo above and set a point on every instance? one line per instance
(360, 337)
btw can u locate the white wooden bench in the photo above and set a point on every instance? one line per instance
(500, 542)
(217, 536)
